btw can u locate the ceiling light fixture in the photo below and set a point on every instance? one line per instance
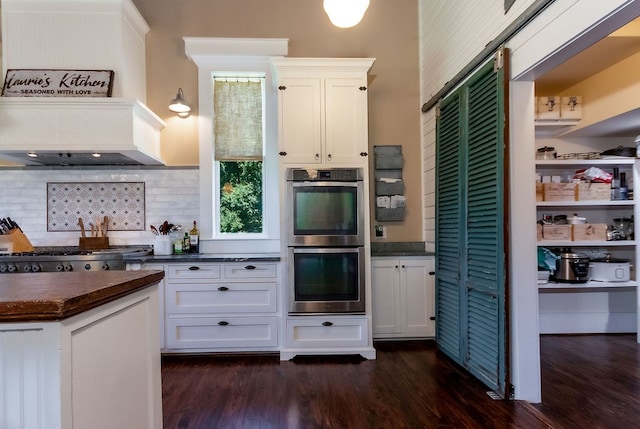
(345, 13)
(179, 106)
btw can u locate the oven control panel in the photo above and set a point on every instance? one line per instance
(328, 175)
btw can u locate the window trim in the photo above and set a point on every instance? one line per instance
(236, 55)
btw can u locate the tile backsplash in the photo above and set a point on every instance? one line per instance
(169, 194)
(121, 202)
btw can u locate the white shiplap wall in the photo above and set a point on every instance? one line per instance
(170, 194)
(451, 35)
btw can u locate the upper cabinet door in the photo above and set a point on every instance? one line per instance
(345, 121)
(300, 105)
(322, 107)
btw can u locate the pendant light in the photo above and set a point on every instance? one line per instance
(180, 106)
(345, 13)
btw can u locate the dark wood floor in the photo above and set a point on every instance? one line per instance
(588, 382)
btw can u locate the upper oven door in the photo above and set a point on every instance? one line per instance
(325, 213)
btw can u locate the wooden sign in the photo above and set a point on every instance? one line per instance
(57, 83)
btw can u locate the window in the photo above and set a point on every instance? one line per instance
(227, 180)
(238, 130)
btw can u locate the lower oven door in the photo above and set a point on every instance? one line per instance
(326, 280)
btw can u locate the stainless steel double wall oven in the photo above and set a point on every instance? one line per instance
(325, 230)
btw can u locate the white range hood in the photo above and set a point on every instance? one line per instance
(78, 35)
(69, 131)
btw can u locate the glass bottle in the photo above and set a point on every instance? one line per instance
(185, 243)
(623, 190)
(194, 239)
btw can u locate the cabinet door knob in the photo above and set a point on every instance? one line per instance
(282, 153)
(250, 267)
(364, 154)
(432, 318)
(404, 266)
(363, 88)
(282, 87)
(194, 268)
(327, 323)
(317, 156)
(223, 288)
(223, 323)
(397, 267)
(329, 157)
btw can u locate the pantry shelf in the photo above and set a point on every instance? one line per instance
(592, 286)
(560, 163)
(591, 243)
(584, 203)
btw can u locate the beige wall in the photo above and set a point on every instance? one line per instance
(388, 33)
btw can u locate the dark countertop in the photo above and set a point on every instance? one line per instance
(403, 248)
(32, 297)
(204, 257)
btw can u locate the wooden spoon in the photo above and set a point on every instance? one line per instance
(81, 223)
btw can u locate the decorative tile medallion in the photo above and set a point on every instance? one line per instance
(122, 202)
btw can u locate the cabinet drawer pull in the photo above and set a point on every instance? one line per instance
(363, 88)
(223, 288)
(194, 268)
(327, 323)
(283, 153)
(364, 154)
(250, 267)
(282, 87)
(432, 273)
(223, 323)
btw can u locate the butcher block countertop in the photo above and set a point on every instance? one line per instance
(30, 297)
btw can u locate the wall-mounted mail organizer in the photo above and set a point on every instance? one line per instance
(389, 186)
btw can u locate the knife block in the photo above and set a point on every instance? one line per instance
(93, 243)
(20, 241)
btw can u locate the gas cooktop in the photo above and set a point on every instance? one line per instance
(59, 259)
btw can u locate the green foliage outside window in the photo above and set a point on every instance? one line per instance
(241, 196)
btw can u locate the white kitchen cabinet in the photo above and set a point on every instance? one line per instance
(322, 108)
(230, 306)
(98, 369)
(403, 297)
(161, 289)
(327, 334)
(591, 307)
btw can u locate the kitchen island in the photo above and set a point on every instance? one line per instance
(80, 349)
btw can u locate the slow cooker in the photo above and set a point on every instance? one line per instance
(609, 269)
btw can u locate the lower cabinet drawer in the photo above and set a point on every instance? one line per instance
(312, 332)
(221, 298)
(222, 332)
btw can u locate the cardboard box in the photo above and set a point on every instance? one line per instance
(556, 232)
(594, 191)
(571, 107)
(549, 107)
(560, 191)
(590, 232)
(539, 192)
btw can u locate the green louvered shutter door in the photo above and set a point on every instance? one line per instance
(485, 276)
(449, 221)
(470, 227)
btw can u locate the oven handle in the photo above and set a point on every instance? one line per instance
(316, 250)
(311, 184)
